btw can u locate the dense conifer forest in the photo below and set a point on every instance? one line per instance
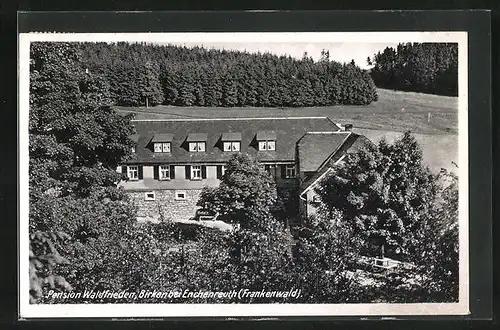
(149, 74)
(418, 67)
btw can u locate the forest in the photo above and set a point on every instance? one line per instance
(418, 67)
(141, 74)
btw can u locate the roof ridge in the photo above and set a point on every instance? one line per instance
(327, 132)
(334, 152)
(229, 118)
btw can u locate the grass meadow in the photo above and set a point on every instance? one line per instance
(432, 119)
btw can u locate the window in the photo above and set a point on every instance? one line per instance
(149, 196)
(267, 145)
(162, 147)
(196, 146)
(271, 170)
(290, 171)
(196, 172)
(221, 169)
(133, 149)
(180, 195)
(232, 146)
(133, 172)
(315, 199)
(164, 172)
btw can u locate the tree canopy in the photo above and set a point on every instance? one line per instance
(387, 192)
(246, 194)
(141, 74)
(76, 142)
(418, 67)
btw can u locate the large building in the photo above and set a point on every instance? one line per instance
(174, 159)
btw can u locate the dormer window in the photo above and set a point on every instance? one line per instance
(232, 146)
(134, 138)
(162, 143)
(197, 146)
(197, 142)
(266, 140)
(231, 141)
(162, 146)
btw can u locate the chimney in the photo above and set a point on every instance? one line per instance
(348, 127)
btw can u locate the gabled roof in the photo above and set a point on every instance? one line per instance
(288, 130)
(162, 138)
(134, 137)
(197, 137)
(315, 147)
(231, 136)
(266, 136)
(352, 143)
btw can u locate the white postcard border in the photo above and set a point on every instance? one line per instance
(27, 310)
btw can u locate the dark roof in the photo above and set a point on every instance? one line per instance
(266, 136)
(197, 137)
(287, 130)
(350, 144)
(315, 147)
(163, 138)
(233, 136)
(134, 137)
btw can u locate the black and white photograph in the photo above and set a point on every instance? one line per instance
(243, 174)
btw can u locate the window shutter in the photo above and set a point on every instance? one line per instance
(219, 172)
(188, 172)
(124, 170)
(203, 171)
(140, 172)
(283, 171)
(172, 172)
(156, 174)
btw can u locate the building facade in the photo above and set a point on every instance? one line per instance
(173, 160)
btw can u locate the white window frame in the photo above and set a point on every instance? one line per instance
(232, 146)
(223, 170)
(235, 146)
(133, 149)
(197, 146)
(131, 170)
(271, 169)
(195, 169)
(290, 171)
(267, 145)
(147, 196)
(164, 169)
(158, 147)
(178, 193)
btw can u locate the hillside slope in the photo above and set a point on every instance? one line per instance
(394, 111)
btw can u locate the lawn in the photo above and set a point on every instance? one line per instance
(432, 119)
(438, 151)
(394, 111)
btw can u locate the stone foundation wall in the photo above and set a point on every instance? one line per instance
(166, 203)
